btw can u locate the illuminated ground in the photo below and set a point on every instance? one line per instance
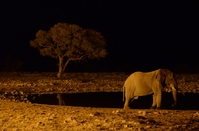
(27, 116)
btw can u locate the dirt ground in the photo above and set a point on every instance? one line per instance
(17, 114)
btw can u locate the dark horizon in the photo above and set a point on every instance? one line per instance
(140, 35)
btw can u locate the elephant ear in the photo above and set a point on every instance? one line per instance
(160, 75)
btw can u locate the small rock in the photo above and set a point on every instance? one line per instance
(123, 121)
(196, 114)
(116, 111)
(156, 113)
(28, 84)
(148, 126)
(107, 125)
(125, 126)
(96, 114)
(142, 113)
(68, 119)
(40, 124)
(97, 120)
(91, 115)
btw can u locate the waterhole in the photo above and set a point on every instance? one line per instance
(189, 101)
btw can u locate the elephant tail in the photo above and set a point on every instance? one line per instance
(123, 92)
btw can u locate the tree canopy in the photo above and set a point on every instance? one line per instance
(67, 42)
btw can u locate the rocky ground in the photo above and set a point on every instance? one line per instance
(17, 113)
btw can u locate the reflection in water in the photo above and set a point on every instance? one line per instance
(114, 100)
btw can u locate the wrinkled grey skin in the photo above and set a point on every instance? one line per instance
(141, 84)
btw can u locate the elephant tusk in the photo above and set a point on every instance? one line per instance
(173, 88)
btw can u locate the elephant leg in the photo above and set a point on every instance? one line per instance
(128, 96)
(174, 92)
(126, 104)
(159, 99)
(154, 102)
(128, 99)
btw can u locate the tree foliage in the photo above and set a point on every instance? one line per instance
(67, 42)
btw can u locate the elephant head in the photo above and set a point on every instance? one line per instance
(166, 78)
(145, 83)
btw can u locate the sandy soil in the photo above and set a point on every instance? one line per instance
(34, 117)
(20, 116)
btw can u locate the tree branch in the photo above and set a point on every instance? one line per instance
(80, 58)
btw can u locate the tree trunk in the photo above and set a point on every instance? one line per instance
(62, 67)
(59, 74)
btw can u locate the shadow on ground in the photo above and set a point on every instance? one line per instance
(188, 101)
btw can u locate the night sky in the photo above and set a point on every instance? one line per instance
(141, 34)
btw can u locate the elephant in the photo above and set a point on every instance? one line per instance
(145, 83)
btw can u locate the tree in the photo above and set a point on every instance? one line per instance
(69, 42)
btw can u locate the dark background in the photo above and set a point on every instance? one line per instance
(141, 34)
